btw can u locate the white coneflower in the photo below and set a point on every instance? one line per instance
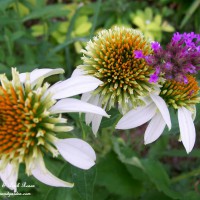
(30, 118)
(112, 57)
(179, 95)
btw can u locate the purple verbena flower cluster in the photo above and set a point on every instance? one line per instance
(180, 57)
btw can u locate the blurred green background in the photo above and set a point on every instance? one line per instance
(51, 33)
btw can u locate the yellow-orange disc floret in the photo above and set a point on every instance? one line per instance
(178, 94)
(26, 125)
(110, 57)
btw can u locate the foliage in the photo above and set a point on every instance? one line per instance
(42, 33)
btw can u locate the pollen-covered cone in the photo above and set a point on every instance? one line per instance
(110, 57)
(179, 95)
(30, 119)
(183, 97)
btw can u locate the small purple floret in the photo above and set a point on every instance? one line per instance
(153, 78)
(138, 54)
(155, 46)
(180, 57)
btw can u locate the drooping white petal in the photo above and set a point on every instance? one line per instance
(75, 105)
(88, 118)
(86, 96)
(40, 172)
(137, 117)
(74, 86)
(162, 106)
(77, 152)
(96, 121)
(36, 74)
(94, 100)
(154, 129)
(187, 128)
(9, 176)
(77, 72)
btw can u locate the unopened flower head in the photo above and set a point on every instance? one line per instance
(110, 57)
(179, 94)
(180, 57)
(30, 119)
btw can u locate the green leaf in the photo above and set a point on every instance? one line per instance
(114, 117)
(17, 35)
(167, 27)
(155, 195)
(61, 169)
(148, 13)
(56, 10)
(113, 175)
(159, 177)
(190, 12)
(158, 19)
(83, 28)
(153, 27)
(84, 181)
(174, 120)
(138, 21)
(192, 195)
(5, 3)
(95, 17)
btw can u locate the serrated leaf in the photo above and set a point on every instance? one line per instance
(84, 181)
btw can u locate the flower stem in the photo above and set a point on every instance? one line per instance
(195, 172)
(82, 128)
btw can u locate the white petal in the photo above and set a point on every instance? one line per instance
(86, 96)
(77, 72)
(41, 173)
(75, 105)
(162, 106)
(36, 74)
(96, 121)
(9, 176)
(187, 129)
(154, 129)
(77, 152)
(137, 117)
(74, 86)
(94, 100)
(88, 118)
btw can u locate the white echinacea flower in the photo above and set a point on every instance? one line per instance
(179, 95)
(30, 117)
(112, 57)
(156, 110)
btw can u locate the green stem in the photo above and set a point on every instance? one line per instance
(186, 175)
(82, 128)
